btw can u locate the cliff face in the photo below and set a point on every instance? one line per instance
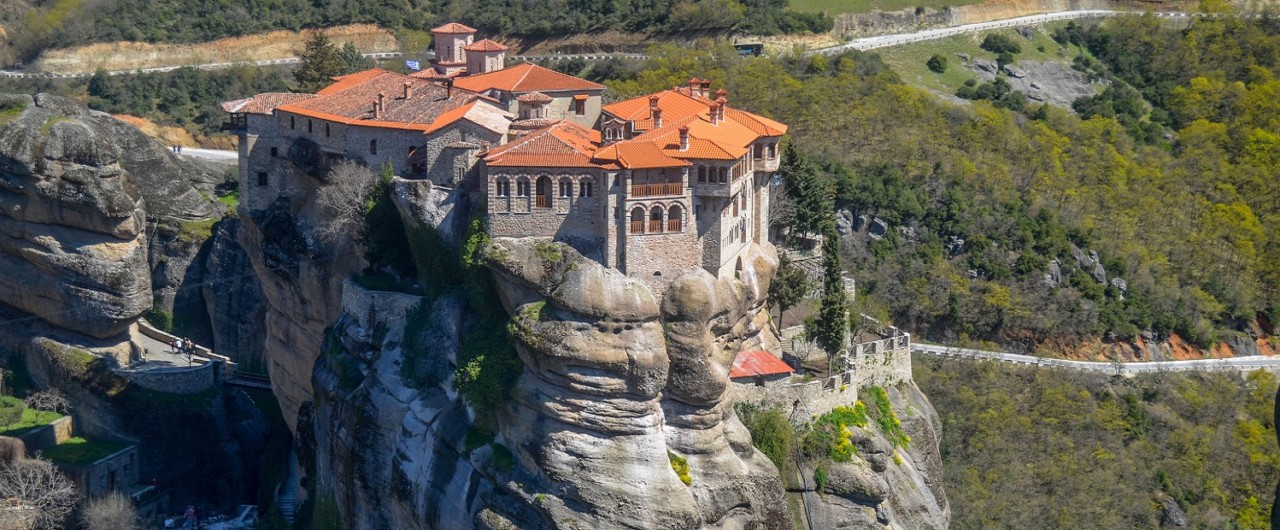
(617, 389)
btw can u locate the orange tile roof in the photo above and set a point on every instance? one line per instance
(527, 77)
(485, 45)
(263, 103)
(675, 106)
(350, 101)
(753, 363)
(561, 144)
(534, 97)
(638, 155)
(454, 27)
(759, 124)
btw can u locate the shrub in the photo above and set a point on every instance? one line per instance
(820, 478)
(1000, 43)
(830, 436)
(681, 466)
(771, 433)
(886, 418)
(11, 409)
(937, 63)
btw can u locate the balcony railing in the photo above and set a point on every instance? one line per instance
(653, 190)
(655, 226)
(673, 225)
(542, 201)
(637, 227)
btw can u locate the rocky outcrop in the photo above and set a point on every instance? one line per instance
(233, 297)
(1049, 81)
(885, 487)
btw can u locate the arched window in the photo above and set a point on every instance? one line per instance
(702, 173)
(735, 206)
(566, 188)
(655, 219)
(522, 187)
(543, 192)
(502, 187)
(737, 269)
(584, 187)
(637, 220)
(373, 146)
(674, 218)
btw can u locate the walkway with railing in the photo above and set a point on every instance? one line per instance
(1230, 364)
(658, 189)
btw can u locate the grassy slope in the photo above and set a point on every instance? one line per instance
(1027, 448)
(30, 419)
(79, 451)
(909, 60)
(834, 7)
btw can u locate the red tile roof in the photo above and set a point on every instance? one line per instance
(263, 103)
(485, 45)
(454, 27)
(561, 144)
(753, 363)
(527, 77)
(350, 100)
(675, 106)
(534, 97)
(638, 155)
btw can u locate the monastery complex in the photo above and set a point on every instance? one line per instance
(651, 186)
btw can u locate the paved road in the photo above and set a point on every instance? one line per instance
(211, 154)
(207, 66)
(1240, 364)
(883, 41)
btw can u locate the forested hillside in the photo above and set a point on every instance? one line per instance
(983, 202)
(33, 26)
(1035, 448)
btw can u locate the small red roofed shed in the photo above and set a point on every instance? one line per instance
(758, 365)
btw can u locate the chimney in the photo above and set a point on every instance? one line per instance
(706, 87)
(720, 94)
(448, 86)
(684, 137)
(694, 85)
(382, 101)
(720, 104)
(408, 90)
(377, 110)
(657, 117)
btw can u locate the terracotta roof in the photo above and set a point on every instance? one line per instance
(527, 77)
(561, 144)
(485, 45)
(753, 363)
(454, 27)
(350, 100)
(263, 103)
(534, 97)
(675, 106)
(638, 155)
(759, 124)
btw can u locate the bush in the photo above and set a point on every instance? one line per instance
(886, 418)
(11, 409)
(771, 433)
(820, 478)
(937, 63)
(998, 43)
(681, 466)
(830, 437)
(111, 512)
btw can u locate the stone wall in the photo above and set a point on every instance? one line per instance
(815, 397)
(176, 380)
(118, 470)
(374, 307)
(577, 221)
(56, 432)
(559, 108)
(884, 362)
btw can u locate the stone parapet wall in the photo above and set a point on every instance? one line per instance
(176, 380)
(370, 308)
(815, 397)
(56, 432)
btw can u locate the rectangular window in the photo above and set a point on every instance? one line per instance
(275, 151)
(579, 107)
(326, 129)
(309, 123)
(293, 123)
(262, 178)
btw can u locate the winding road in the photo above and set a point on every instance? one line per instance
(1231, 364)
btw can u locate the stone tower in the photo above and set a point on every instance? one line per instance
(451, 40)
(485, 56)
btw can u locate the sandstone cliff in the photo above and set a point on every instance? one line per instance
(621, 415)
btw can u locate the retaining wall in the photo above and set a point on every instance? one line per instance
(56, 432)
(176, 380)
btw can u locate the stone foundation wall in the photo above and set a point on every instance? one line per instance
(176, 380)
(56, 432)
(376, 307)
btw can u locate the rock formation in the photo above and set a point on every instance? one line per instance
(622, 415)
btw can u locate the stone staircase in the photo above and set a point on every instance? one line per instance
(287, 496)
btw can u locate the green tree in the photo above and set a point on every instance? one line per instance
(937, 63)
(788, 287)
(352, 60)
(320, 63)
(814, 195)
(831, 324)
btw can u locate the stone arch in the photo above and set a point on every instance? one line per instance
(637, 220)
(522, 186)
(585, 185)
(566, 187)
(502, 185)
(542, 190)
(655, 218)
(675, 218)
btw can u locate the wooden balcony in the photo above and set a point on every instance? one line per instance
(655, 226)
(542, 201)
(657, 190)
(637, 227)
(673, 225)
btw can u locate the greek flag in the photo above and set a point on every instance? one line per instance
(413, 65)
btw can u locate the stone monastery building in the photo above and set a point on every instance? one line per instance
(651, 186)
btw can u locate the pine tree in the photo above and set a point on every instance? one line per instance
(320, 63)
(829, 328)
(788, 287)
(352, 60)
(813, 194)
